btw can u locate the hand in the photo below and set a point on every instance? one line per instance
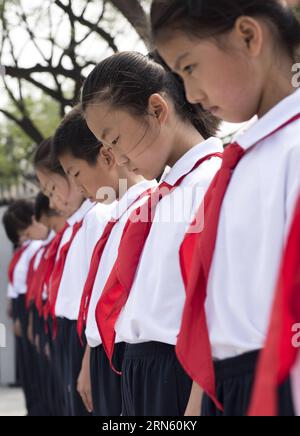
(84, 388)
(47, 351)
(17, 328)
(30, 329)
(194, 404)
(37, 343)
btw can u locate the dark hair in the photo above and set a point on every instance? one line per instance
(10, 228)
(73, 136)
(42, 207)
(203, 18)
(128, 79)
(44, 158)
(17, 218)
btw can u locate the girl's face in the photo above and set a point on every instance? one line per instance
(90, 178)
(63, 194)
(141, 144)
(35, 232)
(225, 81)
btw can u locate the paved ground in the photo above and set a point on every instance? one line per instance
(11, 402)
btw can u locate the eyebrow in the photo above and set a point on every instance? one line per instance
(105, 133)
(179, 60)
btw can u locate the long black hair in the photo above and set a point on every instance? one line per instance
(127, 80)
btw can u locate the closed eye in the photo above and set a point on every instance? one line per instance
(115, 142)
(189, 69)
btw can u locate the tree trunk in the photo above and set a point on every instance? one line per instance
(135, 14)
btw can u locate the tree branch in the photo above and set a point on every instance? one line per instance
(26, 125)
(137, 17)
(93, 26)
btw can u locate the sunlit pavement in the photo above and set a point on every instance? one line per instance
(11, 402)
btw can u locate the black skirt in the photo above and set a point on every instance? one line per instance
(28, 363)
(153, 381)
(234, 384)
(69, 360)
(43, 374)
(106, 384)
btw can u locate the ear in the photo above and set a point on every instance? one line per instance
(158, 107)
(250, 33)
(107, 158)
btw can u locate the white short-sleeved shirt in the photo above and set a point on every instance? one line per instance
(121, 212)
(254, 222)
(78, 262)
(11, 292)
(75, 218)
(21, 269)
(154, 308)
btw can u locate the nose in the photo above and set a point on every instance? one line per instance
(77, 184)
(194, 99)
(194, 96)
(54, 205)
(121, 160)
(51, 203)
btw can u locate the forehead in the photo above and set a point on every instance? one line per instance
(44, 177)
(175, 46)
(180, 47)
(67, 160)
(102, 118)
(99, 112)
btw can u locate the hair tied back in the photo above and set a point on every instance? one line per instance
(195, 7)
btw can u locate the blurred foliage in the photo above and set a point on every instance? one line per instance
(16, 148)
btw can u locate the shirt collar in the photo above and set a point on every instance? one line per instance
(49, 238)
(130, 197)
(270, 122)
(86, 206)
(186, 163)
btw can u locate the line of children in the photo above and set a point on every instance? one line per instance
(24, 231)
(170, 285)
(36, 300)
(94, 167)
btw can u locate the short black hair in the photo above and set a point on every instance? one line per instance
(10, 228)
(42, 207)
(73, 136)
(44, 159)
(17, 218)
